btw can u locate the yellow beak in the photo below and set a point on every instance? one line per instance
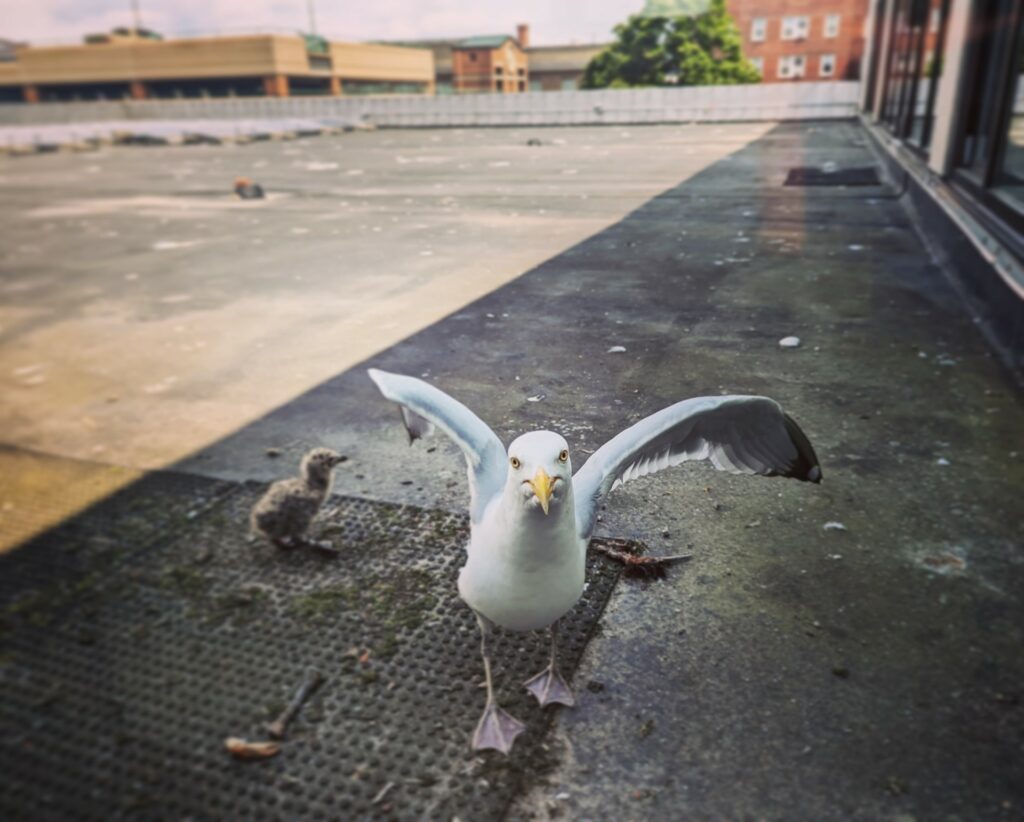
(541, 484)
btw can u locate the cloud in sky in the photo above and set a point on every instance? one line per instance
(50, 21)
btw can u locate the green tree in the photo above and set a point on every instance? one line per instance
(686, 50)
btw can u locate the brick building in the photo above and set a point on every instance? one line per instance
(808, 40)
(473, 65)
(494, 63)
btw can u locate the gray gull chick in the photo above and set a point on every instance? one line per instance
(285, 512)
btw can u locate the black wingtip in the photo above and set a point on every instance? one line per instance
(806, 467)
(416, 426)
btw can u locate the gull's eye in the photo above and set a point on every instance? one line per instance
(515, 462)
(564, 456)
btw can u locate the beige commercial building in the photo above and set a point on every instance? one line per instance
(252, 65)
(560, 68)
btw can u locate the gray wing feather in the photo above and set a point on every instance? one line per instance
(416, 427)
(424, 406)
(738, 434)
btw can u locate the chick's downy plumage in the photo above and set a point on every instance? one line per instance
(285, 512)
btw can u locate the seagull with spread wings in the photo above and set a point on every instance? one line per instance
(531, 517)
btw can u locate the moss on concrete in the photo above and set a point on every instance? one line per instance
(315, 606)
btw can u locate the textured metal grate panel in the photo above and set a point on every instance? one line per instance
(814, 176)
(128, 521)
(117, 698)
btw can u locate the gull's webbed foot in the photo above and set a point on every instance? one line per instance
(549, 687)
(497, 730)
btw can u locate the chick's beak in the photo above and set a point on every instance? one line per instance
(541, 484)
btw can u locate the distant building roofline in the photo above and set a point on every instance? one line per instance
(484, 41)
(569, 47)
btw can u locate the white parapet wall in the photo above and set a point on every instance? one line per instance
(764, 101)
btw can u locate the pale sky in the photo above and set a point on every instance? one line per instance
(562, 21)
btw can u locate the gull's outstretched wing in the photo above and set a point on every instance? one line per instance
(742, 435)
(424, 406)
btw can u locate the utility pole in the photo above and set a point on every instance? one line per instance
(312, 17)
(136, 17)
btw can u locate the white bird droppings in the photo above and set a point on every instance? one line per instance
(834, 526)
(167, 245)
(789, 342)
(617, 349)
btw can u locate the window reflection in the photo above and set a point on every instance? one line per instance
(914, 66)
(932, 37)
(1011, 177)
(991, 38)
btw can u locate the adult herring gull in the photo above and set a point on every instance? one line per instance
(531, 518)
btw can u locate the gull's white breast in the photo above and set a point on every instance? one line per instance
(526, 574)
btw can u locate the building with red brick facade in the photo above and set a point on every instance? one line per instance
(489, 64)
(473, 65)
(809, 40)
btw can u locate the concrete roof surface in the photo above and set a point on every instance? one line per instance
(842, 651)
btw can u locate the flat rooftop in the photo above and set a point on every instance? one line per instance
(149, 321)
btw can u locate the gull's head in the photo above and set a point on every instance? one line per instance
(317, 465)
(539, 471)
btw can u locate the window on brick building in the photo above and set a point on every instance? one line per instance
(792, 66)
(827, 65)
(758, 29)
(832, 25)
(758, 63)
(795, 27)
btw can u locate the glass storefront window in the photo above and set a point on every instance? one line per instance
(914, 66)
(992, 37)
(931, 49)
(1010, 177)
(990, 143)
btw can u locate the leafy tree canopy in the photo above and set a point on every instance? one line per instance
(685, 49)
